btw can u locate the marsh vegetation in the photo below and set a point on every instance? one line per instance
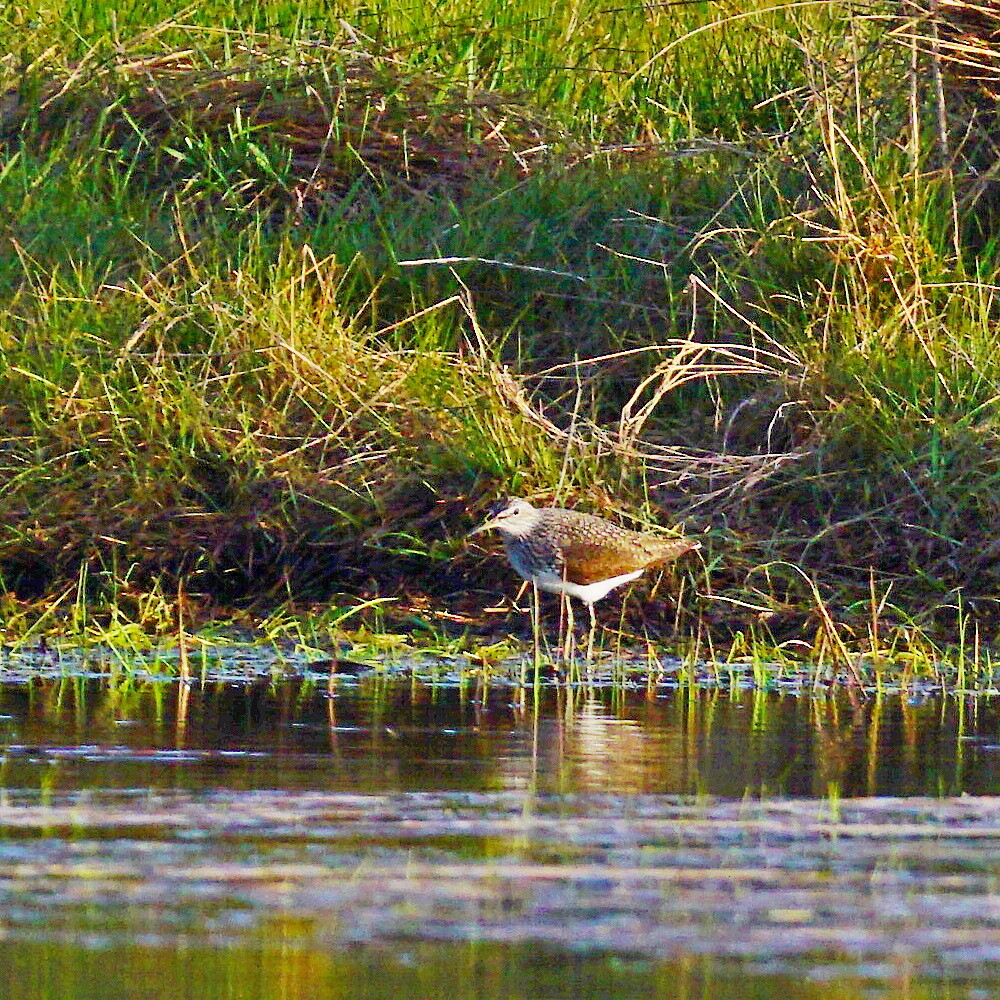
(290, 293)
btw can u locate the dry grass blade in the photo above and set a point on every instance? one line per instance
(715, 472)
(964, 36)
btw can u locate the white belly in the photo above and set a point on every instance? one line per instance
(586, 592)
(554, 584)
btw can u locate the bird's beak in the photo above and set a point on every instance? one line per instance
(485, 526)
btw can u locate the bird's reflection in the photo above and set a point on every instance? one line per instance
(587, 746)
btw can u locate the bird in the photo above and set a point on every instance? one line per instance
(579, 555)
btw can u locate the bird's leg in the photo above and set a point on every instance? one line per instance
(569, 650)
(569, 636)
(536, 628)
(561, 636)
(590, 636)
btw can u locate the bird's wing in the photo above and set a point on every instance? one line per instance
(662, 548)
(587, 562)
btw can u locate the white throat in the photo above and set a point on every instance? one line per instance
(521, 525)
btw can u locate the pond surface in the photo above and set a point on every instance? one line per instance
(387, 837)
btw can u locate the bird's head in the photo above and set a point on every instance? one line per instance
(511, 516)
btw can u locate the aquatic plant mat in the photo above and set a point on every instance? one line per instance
(345, 668)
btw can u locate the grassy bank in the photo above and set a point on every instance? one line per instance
(289, 295)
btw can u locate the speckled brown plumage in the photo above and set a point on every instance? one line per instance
(584, 549)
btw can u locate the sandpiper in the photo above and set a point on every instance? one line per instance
(577, 555)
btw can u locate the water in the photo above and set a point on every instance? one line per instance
(376, 735)
(389, 837)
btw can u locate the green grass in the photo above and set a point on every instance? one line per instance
(289, 293)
